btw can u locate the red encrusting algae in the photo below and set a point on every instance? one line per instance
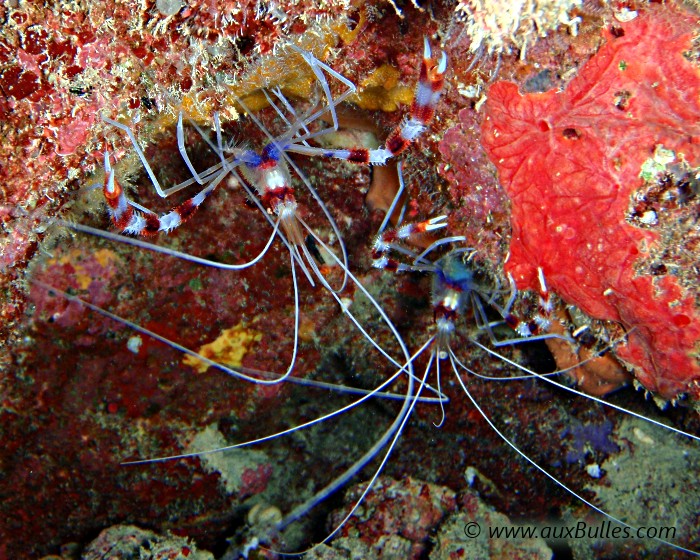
(572, 162)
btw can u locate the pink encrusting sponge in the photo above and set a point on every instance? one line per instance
(575, 163)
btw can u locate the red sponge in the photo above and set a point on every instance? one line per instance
(572, 162)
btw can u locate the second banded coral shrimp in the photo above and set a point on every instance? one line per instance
(569, 454)
(141, 317)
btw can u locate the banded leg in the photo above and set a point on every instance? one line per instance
(132, 218)
(542, 321)
(535, 329)
(390, 240)
(430, 84)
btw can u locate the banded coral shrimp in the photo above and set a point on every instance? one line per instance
(268, 173)
(506, 395)
(146, 388)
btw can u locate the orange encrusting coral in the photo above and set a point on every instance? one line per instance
(284, 67)
(572, 160)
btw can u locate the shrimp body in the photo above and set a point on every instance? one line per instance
(452, 284)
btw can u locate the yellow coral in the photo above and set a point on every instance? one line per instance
(284, 68)
(381, 91)
(229, 349)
